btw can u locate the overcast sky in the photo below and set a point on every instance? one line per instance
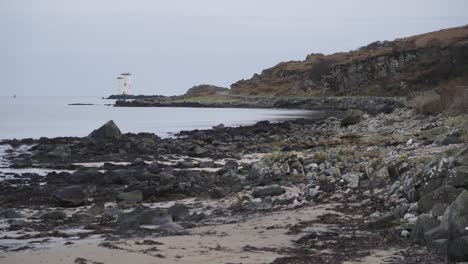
(64, 47)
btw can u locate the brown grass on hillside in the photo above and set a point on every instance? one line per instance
(441, 38)
(451, 97)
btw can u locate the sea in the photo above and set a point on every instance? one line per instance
(54, 116)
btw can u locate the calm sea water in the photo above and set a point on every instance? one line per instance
(34, 117)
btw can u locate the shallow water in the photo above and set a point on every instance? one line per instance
(34, 117)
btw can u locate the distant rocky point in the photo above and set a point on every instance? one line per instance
(129, 96)
(207, 90)
(80, 104)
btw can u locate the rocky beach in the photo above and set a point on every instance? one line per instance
(388, 187)
(351, 157)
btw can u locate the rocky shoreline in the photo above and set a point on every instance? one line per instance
(384, 188)
(368, 104)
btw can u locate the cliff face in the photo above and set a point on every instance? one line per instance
(394, 67)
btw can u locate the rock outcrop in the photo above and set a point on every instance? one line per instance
(206, 90)
(108, 131)
(385, 68)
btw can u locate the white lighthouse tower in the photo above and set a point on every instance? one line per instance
(120, 90)
(123, 84)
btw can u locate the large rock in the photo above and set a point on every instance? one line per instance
(169, 227)
(430, 178)
(54, 215)
(178, 212)
(154, 168)
(424, 223)
(61, 151)
(380, 177)
(206, 164)
(438, 209)
(259, 204)
(458, 249)
(352, 179)
(218, 193)
(443, 194)
(352, 117)
(70, 196)
(199, 151)
(462, 158)
(451, 138)
(132, 221)
(458, 216)
(121, 176)
(275, 166)
(440, 246)
(19, 224)
(311, 193)
(268, 191)
(230, 166)
(389, 219)
(130, 197)
(458, 177)
(453, 227)
(10, 213)
(85, 176)
(108, 131)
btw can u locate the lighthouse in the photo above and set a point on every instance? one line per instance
(120, 89)
(123, 84)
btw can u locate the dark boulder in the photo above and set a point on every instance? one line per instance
(19, 224)
(61, 151)
(449, 139)
(458, 216)
(230, 166)
(121, 176)
(199, 152)
(138, 162)
(132, 221)
(10, 213)
(458, 249)
(458, 177)
(154, 168)
(443, 194)
(85, 176)
(165, 177)
(206, 164)
(430, 178)
(185, 164)
(453, 227)
(388, 219)
(178, 212)
(54, 215)
(108, 131)
(130, 197)
(83, 218)
(268, 191)
(218, 193)
(423, 224)
(70, 196)
(438, 209)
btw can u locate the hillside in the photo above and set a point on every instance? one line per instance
(206, 90)
(398, 67)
